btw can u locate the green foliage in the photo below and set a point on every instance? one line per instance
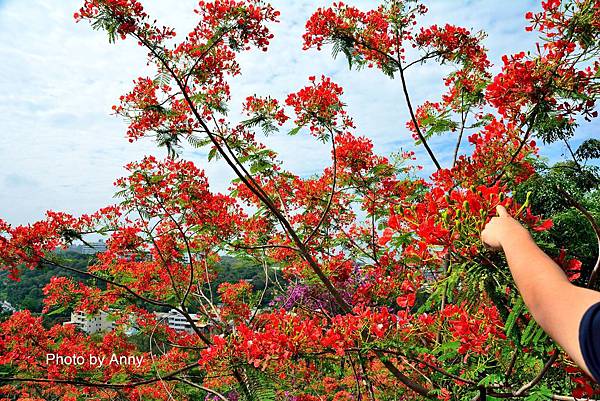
(294, 131)
(263, 122)
(589, 149)
(540, 394)
(259, 385)
(27, 293)
(550, 127)
(437, 124)
(571, 231)
(232, 270)
(512, 318)
(106, 22)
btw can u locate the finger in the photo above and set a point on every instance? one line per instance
(483, 234)
(502, 211)
(484, 242)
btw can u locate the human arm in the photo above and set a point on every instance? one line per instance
(557, 305)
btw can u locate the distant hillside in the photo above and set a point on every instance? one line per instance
(27, 293)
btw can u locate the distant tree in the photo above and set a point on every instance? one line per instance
(568, 192)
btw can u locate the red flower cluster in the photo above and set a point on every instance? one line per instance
(25, 344)
(520, 83)
(498, 150)
(355, 154)
(147, 114)
(281, 337)
(265, 109)
(475, 331)
(235, 298)
(173, 188)
(64, 292)
(373, 36)
(554, 76)
(123, 18)
(456, 44)
(127, 13)
(243, 22)
(571, 266)
(26, 246)
(319, 107)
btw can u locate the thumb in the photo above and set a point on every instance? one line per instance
(502, 211)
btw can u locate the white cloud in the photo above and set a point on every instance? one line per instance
(60, 149)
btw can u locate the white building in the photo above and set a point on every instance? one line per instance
(6, 306)
(93, 248)
(89, 248)
(101, 322)
(176, 321)
(92, 324)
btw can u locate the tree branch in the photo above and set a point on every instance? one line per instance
(74, 382)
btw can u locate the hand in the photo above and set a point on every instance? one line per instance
(501, 228)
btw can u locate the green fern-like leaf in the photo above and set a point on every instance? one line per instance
(259, 385)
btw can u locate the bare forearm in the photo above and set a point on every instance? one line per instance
(553, 301)
(556, 304)
(537, 276)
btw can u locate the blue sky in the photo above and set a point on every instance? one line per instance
(61, 149)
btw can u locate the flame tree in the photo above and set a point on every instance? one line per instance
(389, 293)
